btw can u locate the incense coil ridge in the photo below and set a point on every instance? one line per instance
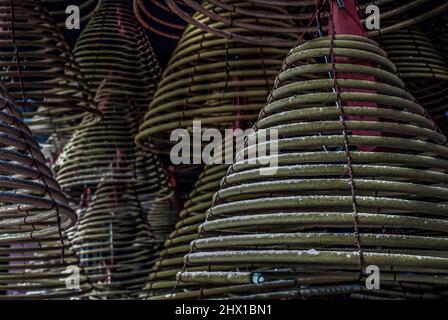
(33, 214)
(113, 42)
(219, 82)
(39, 70)
(358, 184)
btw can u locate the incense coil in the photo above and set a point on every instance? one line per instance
(39, 70)
(149, 15)
(422, 68)
(33, 213)
(57, 9)
(170, 261)
(294, 231)
(219, 82)
(114, 242)
(104, 149)
(114, 43)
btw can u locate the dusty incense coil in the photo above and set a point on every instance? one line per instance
(220, 82)
(360, 181)
(157, 17)
(58, 9)
(39, 70)
(422, 68)
(33, 213)
(170, 261)
(114, 41)
(114, 242)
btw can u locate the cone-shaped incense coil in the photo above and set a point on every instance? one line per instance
(93, 151)
(113, 41)
(422, 68)
(114, 242)
(361, 181)
(219, 82)
(39, 70)
(162, 279)
(33, 214)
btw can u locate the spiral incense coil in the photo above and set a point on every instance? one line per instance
(219, 82)
(114, 242)
(422, 68)
(157, 17)
(106, 148)
(39, 70)
(163, 277)
(360, 181)
(33, 213)
(58, 8)
(114, 42)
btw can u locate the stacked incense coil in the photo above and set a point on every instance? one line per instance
(219, 82)
(149, 15)
(163, 276)
(114, 242)
(39, 70)
(33, 214)
(58, 9)
(422, 68)
(361, 181)
(113, 41)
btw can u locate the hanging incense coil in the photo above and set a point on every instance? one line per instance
(114, 42)
(33, 213)
(360, 181)
(422, 68)
(219, 82)
(156, 17)
(39, 70)
(114, 242)
(58, 9)
(163, 276)
(93, 151)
